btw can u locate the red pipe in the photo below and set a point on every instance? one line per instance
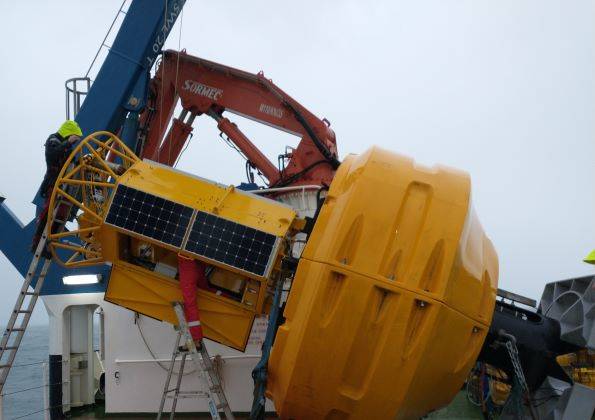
(192, 274)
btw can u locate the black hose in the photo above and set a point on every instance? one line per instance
(292, 178)
(332, 160)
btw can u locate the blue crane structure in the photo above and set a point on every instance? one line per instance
(113, 103)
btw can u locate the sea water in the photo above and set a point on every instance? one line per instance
(24, 389)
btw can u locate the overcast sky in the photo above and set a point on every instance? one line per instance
(502, 89)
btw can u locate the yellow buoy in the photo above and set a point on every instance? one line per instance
(392, 297)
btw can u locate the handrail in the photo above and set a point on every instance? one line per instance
(230, 357)
(105, 38)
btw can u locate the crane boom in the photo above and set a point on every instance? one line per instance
(205, 87)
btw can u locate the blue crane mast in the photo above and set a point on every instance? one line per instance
(113, 103)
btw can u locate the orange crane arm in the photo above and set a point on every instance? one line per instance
(205, 87)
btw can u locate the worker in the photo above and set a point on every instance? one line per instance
(590, 259)
(57, 149)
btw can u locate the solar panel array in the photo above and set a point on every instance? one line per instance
(231, 243)
(210, 236)
(148, 215)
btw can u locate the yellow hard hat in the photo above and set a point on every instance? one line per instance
(70, 128)
(590, 259)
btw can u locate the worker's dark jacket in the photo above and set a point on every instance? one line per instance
(57, 149)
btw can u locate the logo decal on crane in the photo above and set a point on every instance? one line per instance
(271, 110)
(175, 10)
(203, 90)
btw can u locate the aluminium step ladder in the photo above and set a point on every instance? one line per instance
(178, 351)
(205, 369)
(15, 329)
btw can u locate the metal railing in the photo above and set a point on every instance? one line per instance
(76, 90)
(109, 31)
(168, 360)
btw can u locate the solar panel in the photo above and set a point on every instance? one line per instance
(148, 215)
(230, 243)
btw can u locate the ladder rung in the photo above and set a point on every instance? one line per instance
(14, 329)
(18, 309)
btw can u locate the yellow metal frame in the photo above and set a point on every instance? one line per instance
(89, 173)
(203, 195)
(224, 321)
(87, 169)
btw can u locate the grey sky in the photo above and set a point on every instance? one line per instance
(502, 89)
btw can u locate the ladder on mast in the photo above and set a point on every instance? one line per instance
(204, 368)
(8, 347)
